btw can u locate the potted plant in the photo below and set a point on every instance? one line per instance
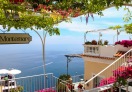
(94, 42)
(17, 89)
(61, 84)
(80, 87)
(106, 42)
(88, 43)
(64, 77)
(100, 42)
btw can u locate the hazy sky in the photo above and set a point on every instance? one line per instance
(72, 34)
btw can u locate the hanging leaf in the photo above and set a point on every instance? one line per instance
(87, 16)
(108, 2)
(92, 16)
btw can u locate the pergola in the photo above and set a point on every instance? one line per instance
(44, 14)
(69, 59)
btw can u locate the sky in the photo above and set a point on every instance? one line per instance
(72, 34)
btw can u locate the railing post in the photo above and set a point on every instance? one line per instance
(119, 88)
(111, 88)
(127, 87)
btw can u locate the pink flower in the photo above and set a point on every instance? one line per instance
(121, 72)
(125, 43)
(80, 86)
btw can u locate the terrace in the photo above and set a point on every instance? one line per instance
(36, 83)
(117, 62)
(21, 14)
(105, 64)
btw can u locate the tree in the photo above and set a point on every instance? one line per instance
(45, 13)
(128, 28)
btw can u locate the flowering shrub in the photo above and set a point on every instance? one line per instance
(70, 86)
(125, 43)
(60, 83)
(120, 76)
(107, 81)
(80, 86)
(119, 71)
(17, 89)
(126, 73)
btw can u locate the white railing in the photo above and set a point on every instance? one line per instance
(99, 50)
(91, 50)
(109, 73)
(36, 83)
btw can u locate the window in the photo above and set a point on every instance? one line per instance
(96, 81)
(92, 50)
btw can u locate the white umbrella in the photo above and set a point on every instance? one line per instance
(14, 71)
(4, 71)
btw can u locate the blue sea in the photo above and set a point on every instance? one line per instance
(29, 61)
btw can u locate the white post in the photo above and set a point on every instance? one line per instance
(43, 52)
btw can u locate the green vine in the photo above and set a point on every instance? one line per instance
(44, 14)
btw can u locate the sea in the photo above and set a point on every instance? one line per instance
(30, 62)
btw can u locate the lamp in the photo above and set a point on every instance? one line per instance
(118, 33)
(85, 39)
(100, 34)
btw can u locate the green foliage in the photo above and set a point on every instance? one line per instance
(42, 19)
(64, 77)
(115, 27)
(88, 43)
(106, 42)
(17, 89)
(26, 18)
(120, 82)
(128, 15)
(100, 42)
(128, 28)
(61, 85)
(94, 42)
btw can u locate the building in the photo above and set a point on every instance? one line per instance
(98, 57)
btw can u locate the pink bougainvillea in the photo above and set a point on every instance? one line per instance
(119, 71)
(124, 72)
(120, 74)
(107, 81)
(80, 86)
(125, 43)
